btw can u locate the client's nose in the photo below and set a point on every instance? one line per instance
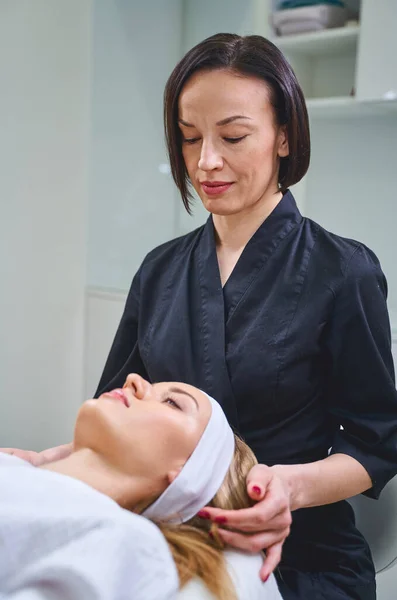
(138, 385)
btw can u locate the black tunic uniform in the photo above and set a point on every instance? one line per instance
(296, 345)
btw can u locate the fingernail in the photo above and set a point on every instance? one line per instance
(220, 520)
(203, 514)
(265, 578)
(256, 489)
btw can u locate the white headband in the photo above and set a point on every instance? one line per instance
(202, 475)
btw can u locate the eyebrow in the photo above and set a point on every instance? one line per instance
(220, 123)
(178, 390)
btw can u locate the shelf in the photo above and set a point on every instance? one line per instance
(328, 108)
(319, 43)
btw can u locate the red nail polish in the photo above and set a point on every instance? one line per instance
(266, 578)
(203, 514)
(220, 520)
(256, 489)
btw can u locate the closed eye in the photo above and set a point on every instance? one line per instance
(235, 140)
(172, 403)
(230, 140)
(190, 140)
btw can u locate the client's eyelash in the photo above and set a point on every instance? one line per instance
(172, 403)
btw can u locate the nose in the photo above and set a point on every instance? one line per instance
(210, 157)
(138, 385)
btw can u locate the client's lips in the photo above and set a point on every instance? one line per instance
(119, 394)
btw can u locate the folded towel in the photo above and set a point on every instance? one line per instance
(288, 4)
(308, 18)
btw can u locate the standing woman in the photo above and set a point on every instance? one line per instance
(283, 322)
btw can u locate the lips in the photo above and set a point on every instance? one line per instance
(214, 188)
(120, 395)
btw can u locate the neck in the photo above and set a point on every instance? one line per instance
(234, 231)
(128, 491)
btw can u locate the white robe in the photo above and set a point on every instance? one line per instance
(60, 539)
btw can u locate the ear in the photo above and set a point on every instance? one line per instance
(172, 475)
(283, 146)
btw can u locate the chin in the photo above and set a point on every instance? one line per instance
(222, 206)
(94, 423)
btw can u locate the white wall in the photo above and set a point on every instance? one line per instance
(351, 186)
(133, 205)
(44, 123)
(103, 313)
(205, 18)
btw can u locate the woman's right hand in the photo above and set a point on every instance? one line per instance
(37, 459)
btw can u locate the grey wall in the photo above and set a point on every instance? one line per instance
(204, 18)
(133, 204)
(44, 124)
(351, 186)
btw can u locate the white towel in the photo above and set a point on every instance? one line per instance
(62, 540)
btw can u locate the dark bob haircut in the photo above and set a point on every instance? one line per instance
(254, 56)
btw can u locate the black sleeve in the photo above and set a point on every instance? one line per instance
(124, 356)
(362, 397)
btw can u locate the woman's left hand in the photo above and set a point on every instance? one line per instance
(266, 525)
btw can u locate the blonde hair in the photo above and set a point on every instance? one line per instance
(195, 546)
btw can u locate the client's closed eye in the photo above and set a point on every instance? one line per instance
(177, 398)
(172, 403)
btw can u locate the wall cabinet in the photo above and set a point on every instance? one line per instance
(349, 70)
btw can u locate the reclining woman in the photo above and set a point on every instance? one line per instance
(163, 451)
